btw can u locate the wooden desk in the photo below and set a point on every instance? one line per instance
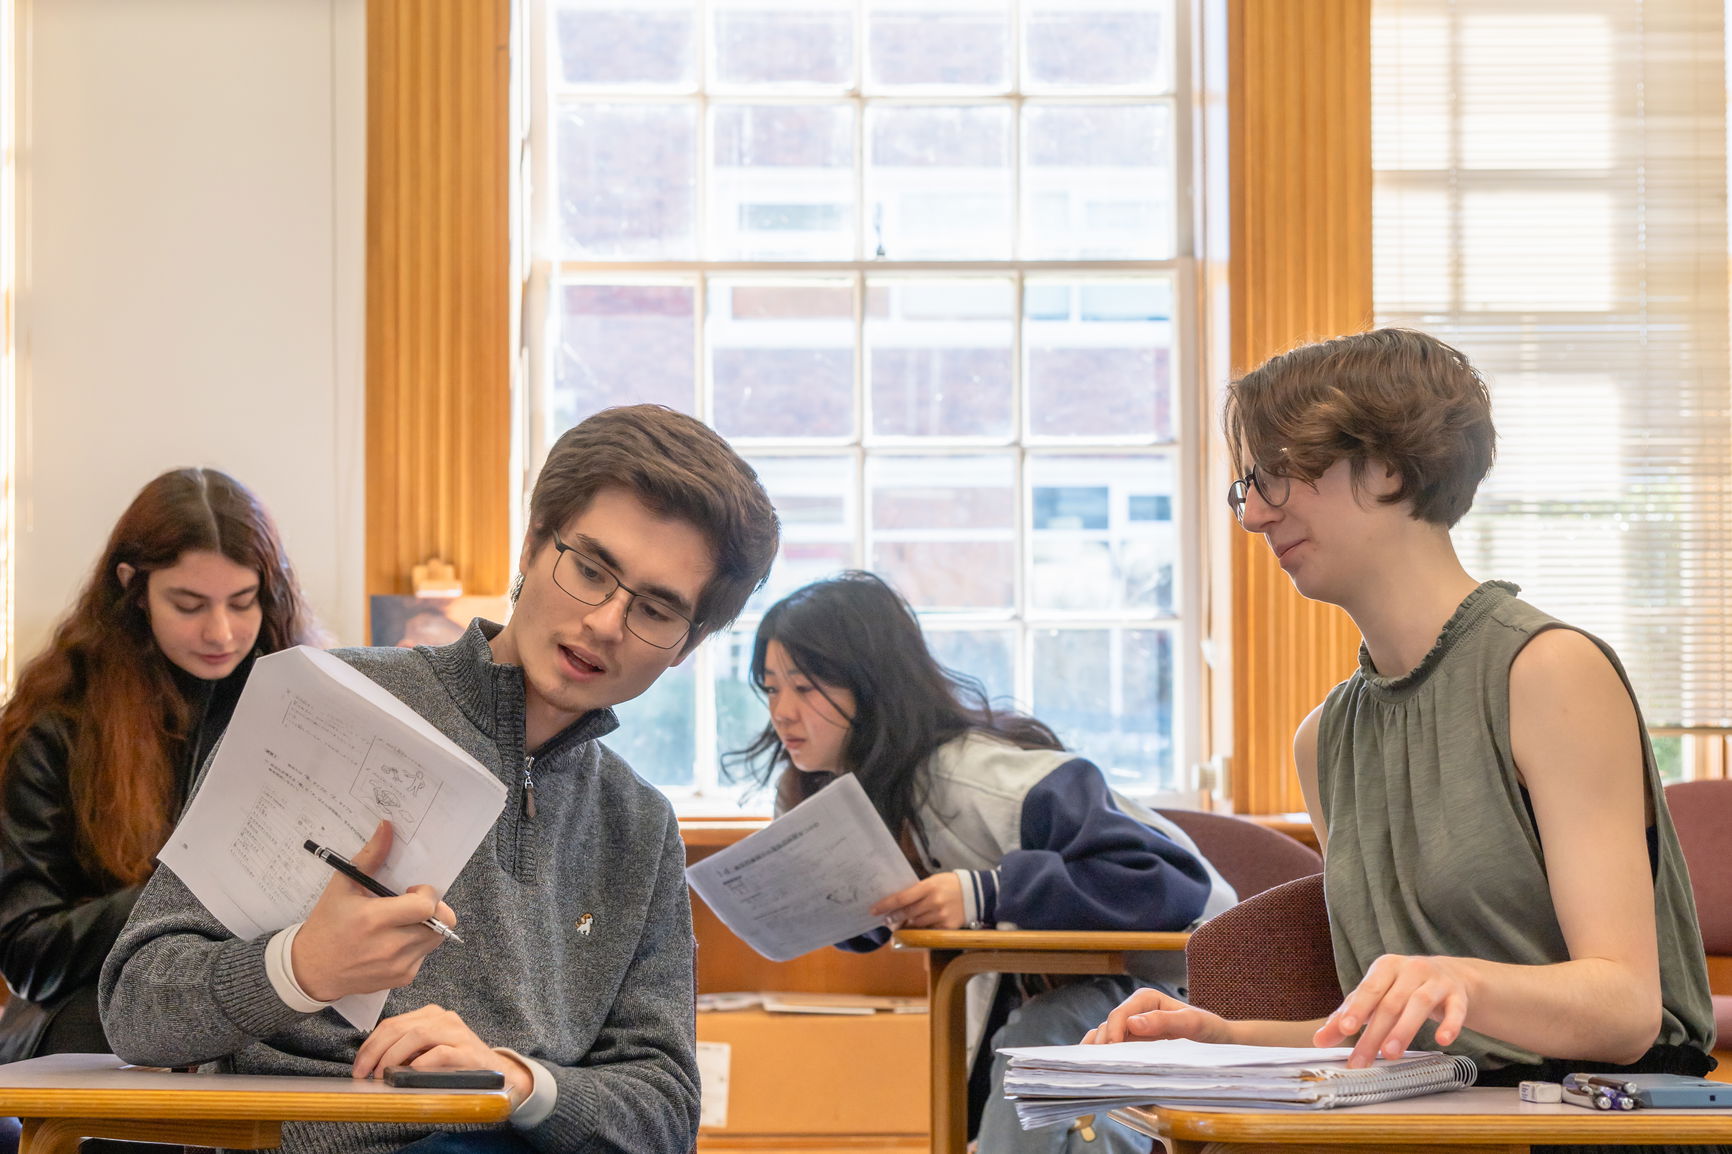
(1479, 1120)
(64, 1098)
(954, 956)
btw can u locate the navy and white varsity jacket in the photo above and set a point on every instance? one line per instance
(1041, 843)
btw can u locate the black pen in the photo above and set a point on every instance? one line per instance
(355, 874)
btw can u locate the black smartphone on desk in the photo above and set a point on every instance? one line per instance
(444, 1079)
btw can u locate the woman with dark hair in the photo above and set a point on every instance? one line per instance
(101, 738)
(1003, 826)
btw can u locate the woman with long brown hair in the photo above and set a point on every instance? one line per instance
(101, 738)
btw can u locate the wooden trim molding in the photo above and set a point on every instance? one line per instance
(438, 439)
(1299, 146)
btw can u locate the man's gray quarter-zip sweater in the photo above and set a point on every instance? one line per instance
(608, 1011)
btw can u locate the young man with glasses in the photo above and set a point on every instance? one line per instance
(647, 533)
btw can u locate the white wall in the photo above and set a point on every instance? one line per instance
(192, 187)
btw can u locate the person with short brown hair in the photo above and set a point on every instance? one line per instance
(1396, 396)
(575, 976)
(1503, 878)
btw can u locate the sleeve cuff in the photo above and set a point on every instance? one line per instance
(540, 1102)
(979, 898)
(282, 973)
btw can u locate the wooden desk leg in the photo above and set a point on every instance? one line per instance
(947, 974)
(62, 1135)
(947, 1003)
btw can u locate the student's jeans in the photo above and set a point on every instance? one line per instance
(1056, 1018)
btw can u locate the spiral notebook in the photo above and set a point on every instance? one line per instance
(1056, 1083)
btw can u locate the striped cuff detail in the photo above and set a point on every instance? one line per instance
(979, 898)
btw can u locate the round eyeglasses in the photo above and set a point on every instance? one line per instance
(585, 579)
(1272, 487)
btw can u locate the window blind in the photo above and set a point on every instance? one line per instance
(1550, 197)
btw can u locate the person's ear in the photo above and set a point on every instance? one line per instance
(125, 572)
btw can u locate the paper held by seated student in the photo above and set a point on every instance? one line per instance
(809, 878)
(317, 751)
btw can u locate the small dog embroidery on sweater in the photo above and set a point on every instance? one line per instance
(585, 923)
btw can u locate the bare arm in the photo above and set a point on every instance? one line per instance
(1305, 757)
(1577, 747)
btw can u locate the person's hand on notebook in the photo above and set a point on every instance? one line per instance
(354, 942)
(933, 903)
(1397, 996)
(1149, 1014)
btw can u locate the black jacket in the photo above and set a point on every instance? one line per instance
(57, 921)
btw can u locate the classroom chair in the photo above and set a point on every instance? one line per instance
(1249, 856)
(1702, 813)
(1267, 957)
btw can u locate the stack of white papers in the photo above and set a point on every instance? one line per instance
(1056, 1083)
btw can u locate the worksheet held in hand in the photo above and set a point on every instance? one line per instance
(318, 751)
(809, 878)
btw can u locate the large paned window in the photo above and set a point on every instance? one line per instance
(1551, 197)
(925, 264)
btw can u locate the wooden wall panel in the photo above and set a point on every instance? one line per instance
(438, 291)
(1299, 139)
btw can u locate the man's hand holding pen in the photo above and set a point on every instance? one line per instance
(354, 942)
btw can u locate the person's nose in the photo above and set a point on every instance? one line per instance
(607, 620)
(1259, 514)
(219, 626)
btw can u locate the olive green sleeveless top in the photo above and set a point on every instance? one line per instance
(1432, 846)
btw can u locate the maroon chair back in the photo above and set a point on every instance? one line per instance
(1267, 957)
(1251, 857)
(1702, 812)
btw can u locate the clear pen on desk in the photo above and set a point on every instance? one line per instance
(361, 878)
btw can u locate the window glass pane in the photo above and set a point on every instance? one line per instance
(782, 182)
(814, 497)
(1102, 535)
(782, 357)
(1109, 695)
(1536, 91)
(938, 182)
(1097, 181)
(622, 344)
(627, 43)
(657, 732)
(1412, 88)
(938, 44)
(1411, 234)
(1094, 44)
(987, 655)
(762, 43)
(627, 185)
(939, 357)
(1098, 357)
(944, 529)
(1542, 250)
(740, 711)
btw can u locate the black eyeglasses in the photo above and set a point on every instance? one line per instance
(585, 579)
(1272, 487)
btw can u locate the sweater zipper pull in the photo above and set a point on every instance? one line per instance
(528, 789)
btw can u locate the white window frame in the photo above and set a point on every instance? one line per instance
(542, 275)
